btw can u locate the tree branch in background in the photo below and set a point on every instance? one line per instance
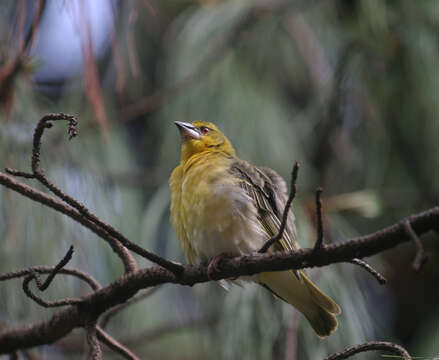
(371, 346)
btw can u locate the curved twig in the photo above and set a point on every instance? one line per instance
(47, 270)
(371, 346)
(114, 345)
(67, 257)
(292, 195)
(33, 275)
(420, 259)
(380, 278)
(42, 302)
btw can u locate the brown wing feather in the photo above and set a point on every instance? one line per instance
(268, 191)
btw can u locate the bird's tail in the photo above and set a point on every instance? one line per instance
(317, 307)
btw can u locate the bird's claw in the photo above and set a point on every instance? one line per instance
(214, 264)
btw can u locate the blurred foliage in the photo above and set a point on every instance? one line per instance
(347, 88)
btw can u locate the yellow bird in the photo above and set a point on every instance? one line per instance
(222, 204)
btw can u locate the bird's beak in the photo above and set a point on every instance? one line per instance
(188, 131)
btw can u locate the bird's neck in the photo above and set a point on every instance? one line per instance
(205, 158)
(197, 150)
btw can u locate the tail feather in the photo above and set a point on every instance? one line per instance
(317, 307)
(320, 297)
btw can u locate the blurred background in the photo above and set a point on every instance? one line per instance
(346, 88)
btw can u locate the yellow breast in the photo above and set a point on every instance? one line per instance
(196, 207)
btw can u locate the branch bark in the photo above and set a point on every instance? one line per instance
(64, 321)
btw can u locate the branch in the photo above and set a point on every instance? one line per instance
(420, 258)
(115, 345)
(380, 278)
(67, 257)
(371, 346)
(47, 270)
(37, 173)
(293, 190)
(40, 301)
(319, 243)
(94, 349)
(65, 320)
(107, 232)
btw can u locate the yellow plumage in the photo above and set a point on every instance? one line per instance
(222, 204)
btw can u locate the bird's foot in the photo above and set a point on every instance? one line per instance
(214, 264)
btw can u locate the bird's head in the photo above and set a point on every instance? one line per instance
(202, 136)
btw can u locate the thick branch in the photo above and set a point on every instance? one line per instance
(62, 322)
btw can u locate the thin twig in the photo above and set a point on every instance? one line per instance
(371, 346)
(42, 302)
(93, 283)
(18, 173)
(380, 278)
(67, 257)
(293, 190)
(114, 345)
(319, 242)
(33, 275)
(94, 348)
(420, 259)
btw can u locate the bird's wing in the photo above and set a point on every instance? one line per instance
(269, 193)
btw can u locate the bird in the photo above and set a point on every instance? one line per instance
(221, 204)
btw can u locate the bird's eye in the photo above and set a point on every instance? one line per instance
(204, 130)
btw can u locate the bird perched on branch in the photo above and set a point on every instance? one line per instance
(221, 204)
